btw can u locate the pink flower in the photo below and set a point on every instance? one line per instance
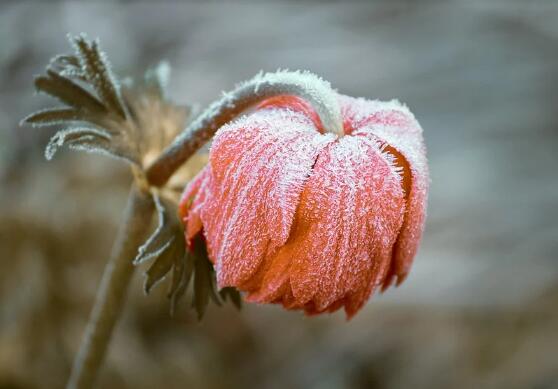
(294, 215)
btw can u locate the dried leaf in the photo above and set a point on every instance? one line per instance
(160, 267)
(161, 237)
(201, 290)
(68, 66)
(139, 118)
(94, 147)
(182, 273)
(157, 78)
(52, 116)
(97, 71)
(94, 136)
(64, 60)
(68, 92)
(167, 246)
(91, 140)
(73, 73)
(204, 279)
(232, 294)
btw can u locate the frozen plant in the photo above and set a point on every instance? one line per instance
(312, 201)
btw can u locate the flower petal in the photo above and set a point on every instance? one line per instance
(350, 212)
(191, 202)
(394, 125)
(259, 165)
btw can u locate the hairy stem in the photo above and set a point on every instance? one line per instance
(112, 291)
(306, 85)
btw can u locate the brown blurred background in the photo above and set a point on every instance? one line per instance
(480, 308)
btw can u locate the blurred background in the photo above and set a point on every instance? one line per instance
(480, 307)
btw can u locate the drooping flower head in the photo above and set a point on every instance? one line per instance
(295, 215)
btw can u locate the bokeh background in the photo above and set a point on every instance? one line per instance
(480, 308)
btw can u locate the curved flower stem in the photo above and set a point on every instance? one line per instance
(112, 291)
(306, 85)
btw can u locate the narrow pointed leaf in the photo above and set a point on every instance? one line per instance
(164, 233)
(179, 265)
(65, 60)
(204, 278)
(201, 289)
(157, 78)
(68, 92)
(98, 72)
(153, 250)
(73, 73)
(67, 66)
(51, 116)
(92, 145)
(210, 274)
(160, 267)
(71, 135)
(206, 268)
(232, 294)
(182, 285)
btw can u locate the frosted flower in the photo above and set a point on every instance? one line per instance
(294, 215)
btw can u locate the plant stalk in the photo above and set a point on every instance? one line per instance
(306, 85)
(112, 290)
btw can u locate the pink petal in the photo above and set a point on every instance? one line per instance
(258, 166)
(394, 125)
(349, 216)
(191, 204)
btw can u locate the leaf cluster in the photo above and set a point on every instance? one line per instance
(132, 120)
(186, 265)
